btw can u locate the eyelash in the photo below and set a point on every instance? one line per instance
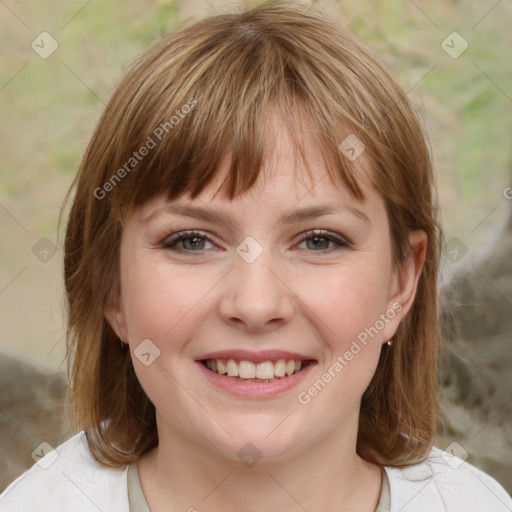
(170, 242)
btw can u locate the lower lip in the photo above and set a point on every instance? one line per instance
(255, 389)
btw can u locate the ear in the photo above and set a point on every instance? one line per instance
(115, 317)
(404, 282)
(113, 310)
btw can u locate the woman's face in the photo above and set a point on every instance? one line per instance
(252, 293)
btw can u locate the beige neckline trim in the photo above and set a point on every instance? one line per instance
(137, 500)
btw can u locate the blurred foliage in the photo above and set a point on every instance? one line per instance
(61, 98)
(470, 115)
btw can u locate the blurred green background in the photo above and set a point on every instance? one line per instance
(49, 108)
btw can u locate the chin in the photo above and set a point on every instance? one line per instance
(266, 437)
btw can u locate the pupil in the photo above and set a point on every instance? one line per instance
(317, 241)
(194, 241)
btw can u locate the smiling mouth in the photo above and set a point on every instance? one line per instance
(247, 371)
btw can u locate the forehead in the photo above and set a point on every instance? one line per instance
(296, 164)
(286, 182)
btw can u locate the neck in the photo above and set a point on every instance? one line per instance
(182, 475)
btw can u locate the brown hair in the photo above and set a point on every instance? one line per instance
(207, 91)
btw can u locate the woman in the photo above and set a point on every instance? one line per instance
(250, 264)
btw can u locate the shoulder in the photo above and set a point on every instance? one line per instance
(67, 478)
(445, 482)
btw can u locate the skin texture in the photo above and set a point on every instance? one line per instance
(296, 296)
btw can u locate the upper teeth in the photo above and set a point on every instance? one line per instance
(250, 370)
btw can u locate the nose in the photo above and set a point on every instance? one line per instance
(256, 297)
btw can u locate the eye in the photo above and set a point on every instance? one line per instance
(191, 241)
(194, 241)
(321, 239)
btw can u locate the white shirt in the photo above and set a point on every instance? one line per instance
(69, 478)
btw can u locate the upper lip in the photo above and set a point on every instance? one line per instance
(256, 357)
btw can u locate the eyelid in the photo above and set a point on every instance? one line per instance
(178, 236)
(170, 241)
(342, 242)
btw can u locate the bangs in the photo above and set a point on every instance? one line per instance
(197, 109)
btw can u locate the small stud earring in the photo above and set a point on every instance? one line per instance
(123, 346)
(390, 342)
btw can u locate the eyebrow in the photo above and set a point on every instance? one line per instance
(292, 216)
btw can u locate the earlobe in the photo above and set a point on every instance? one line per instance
(115, 318)
(111, 316)
(405, 279)
(112, 310)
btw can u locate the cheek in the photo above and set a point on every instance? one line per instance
(347, 305)
(345, 301)
(348, 312)
(160, 300)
